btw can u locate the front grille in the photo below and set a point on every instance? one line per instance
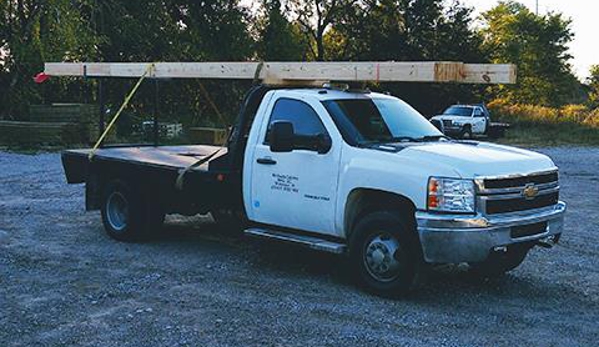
(521, 203)
(447, 123)
(515, 182)
(505, 195)
(528, 230)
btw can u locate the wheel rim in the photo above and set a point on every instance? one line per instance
(380, 257)
(117, 211)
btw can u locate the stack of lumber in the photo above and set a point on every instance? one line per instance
(32, 133)
(54, 124)
(207, 136)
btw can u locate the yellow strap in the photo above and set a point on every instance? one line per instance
(181, 177)
(116, 116)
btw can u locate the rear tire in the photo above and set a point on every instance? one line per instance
(498, 263)
(384, 253)
(125, 214)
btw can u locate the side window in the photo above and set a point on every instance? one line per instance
(478, 112)
(303, 117)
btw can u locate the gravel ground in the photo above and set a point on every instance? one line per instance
(64, 282)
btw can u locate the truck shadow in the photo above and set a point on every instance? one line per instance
(438, 284)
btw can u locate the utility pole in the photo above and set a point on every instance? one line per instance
(537, 8)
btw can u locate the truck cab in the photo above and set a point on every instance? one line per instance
(356, 173)
(320, 161)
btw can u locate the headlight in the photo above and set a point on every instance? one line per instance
(450, 195)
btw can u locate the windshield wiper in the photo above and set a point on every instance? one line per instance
(367, 143)
(403, 139)
(432, 138)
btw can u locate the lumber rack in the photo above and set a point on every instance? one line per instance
(308, 74)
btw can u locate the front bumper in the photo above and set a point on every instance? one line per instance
(457, 239)
(454, 129)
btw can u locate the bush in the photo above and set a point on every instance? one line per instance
(571, 124)
(593, 119)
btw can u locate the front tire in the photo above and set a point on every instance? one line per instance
(466, 133)
(384, 253)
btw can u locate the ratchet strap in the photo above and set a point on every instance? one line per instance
(181, 177)
(117, 115)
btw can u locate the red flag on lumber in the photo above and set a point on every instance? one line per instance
(41, 77)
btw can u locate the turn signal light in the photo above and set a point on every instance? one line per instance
(433, 201)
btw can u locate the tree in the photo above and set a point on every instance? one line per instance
(279, 40)
(368, 31)
(593, 84)
(539, 47)
(315, 17)
(409, 30)
(33, 32)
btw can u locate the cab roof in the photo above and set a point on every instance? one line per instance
(324, 94)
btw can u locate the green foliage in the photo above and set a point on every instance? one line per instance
(542, 125)
(315, 17)
(279, 39)
(593, 84)
(539, 47)
(410, 30)
(34, 31)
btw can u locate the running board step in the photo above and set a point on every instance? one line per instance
(303, 240)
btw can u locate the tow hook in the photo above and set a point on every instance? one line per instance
(548, 242)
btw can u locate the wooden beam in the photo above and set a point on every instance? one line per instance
(300, 72)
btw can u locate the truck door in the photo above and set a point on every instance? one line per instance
(479, 121)
(295, 189)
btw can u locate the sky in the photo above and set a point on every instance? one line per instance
(585, 26)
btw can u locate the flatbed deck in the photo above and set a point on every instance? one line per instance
(175, 157)
(154, 170)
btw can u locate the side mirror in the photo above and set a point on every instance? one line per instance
(281, 136)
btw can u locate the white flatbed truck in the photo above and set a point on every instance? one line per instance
(468, 121)
(354, 173)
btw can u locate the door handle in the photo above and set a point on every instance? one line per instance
(266, 161)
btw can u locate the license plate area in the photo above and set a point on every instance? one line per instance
(528, 230)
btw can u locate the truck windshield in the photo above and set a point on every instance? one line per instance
(459, 111)
(379, 120)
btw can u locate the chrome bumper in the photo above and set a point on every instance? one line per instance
(457, 239)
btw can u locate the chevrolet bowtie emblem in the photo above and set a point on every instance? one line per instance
(530, 191)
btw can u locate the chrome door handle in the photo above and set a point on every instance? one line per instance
(266, 161)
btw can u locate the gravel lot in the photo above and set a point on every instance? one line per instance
(64, 282)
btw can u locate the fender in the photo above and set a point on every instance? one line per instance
(397, 174)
